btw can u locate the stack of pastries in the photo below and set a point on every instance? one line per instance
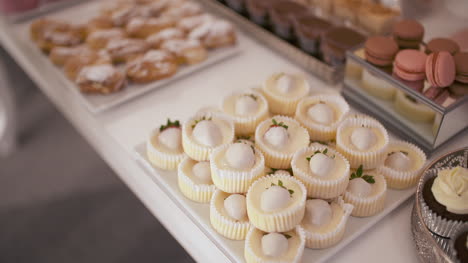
(282, 169)
(139, 41)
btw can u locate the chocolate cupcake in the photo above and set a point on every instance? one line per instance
(309, 30)
(336, 41)
(459, 245)
(258, 10)
(445, 200)
(282, 15)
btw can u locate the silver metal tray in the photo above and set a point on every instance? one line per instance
(432, 248)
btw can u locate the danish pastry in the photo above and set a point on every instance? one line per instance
(103, 79)
(188, 51)
(214, 33)
(155, 40)
(154, 65)
(60, 55)
(100, 38)
(143, 27)
(75, 63)
(189, 23)
(122, 50)
(186, 9)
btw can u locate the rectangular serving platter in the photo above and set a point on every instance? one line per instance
(95, 102)
(320, 69)
(234, 250)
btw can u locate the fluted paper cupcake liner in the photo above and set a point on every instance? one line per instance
(275, 158)
(200, 193)
(451, 247)
(402, 179)
(437, 224)
(200, 152)
(225, 226)
(279, 104)
(332, 237)
(252, 257)
(317, 131)
(369, 159)
(317, 187)
(279, 221)
(160, 159)
(368, 206)
(234, 181)
(245, 125)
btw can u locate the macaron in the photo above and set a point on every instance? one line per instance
(408, 33)
(442, 44)
(440, 69)
(380, 50)
(410, 64)
(461, 66)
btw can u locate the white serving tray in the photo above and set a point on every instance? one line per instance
(234, 250)
(97, 102)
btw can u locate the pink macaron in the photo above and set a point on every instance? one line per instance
(440, 69)
(410, 64)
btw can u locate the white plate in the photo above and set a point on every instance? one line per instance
(234, 250)
(96, 102)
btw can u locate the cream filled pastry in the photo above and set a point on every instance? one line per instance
(247, 108)
(324, 222)
(204, 132)
(284, 91)
(321, 115)
(403, 164)
(324, 171)
(363, 141)
(164, 148)
(366, 192)
(276, 203)
(275, 246)
(228, 215)
(279, 138)
(235, 166)
(194, 179)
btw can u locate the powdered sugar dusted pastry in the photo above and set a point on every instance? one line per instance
(274, 247)
(155, 40)
(202, 133)
(321, 115)
(214, 33)
(99, 23)
(46, 24)
(279, 138)
(194, 180)
(185, 9)
(276, 203)
(324, 222)
(60, 55)
(122, 15)
(187, 24)
(164, 146)
(98, 39)
(125, 49)
(103, 79)
(228, 215)
(59, 35)
(144, 27)
(76, 63)
(366, 192)
(324, 171)
(154, 65)
(403, 164)
(186, 51)
(247, 108)
(363, 141)
(284, 91)
(236, 166)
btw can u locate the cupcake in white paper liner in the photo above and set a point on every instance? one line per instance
(363, 141)
(367, 191)
(235, 166)
(228, 215)
(324, 171)
(403, 164)
(194, 179)
(163, 146)
(274, 247)
(325, 223)
(279, 138)
(276, 203)
(204, 132)
(321, 115)
(247, 109)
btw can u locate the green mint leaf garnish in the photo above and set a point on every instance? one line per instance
(278, 124)
(204, 118)
(359, 174)
(252, 96)
(369, 179)
(287, 236)
(291, 191)
(280, 183)
(169, 124)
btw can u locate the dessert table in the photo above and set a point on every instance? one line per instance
(114, 134)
